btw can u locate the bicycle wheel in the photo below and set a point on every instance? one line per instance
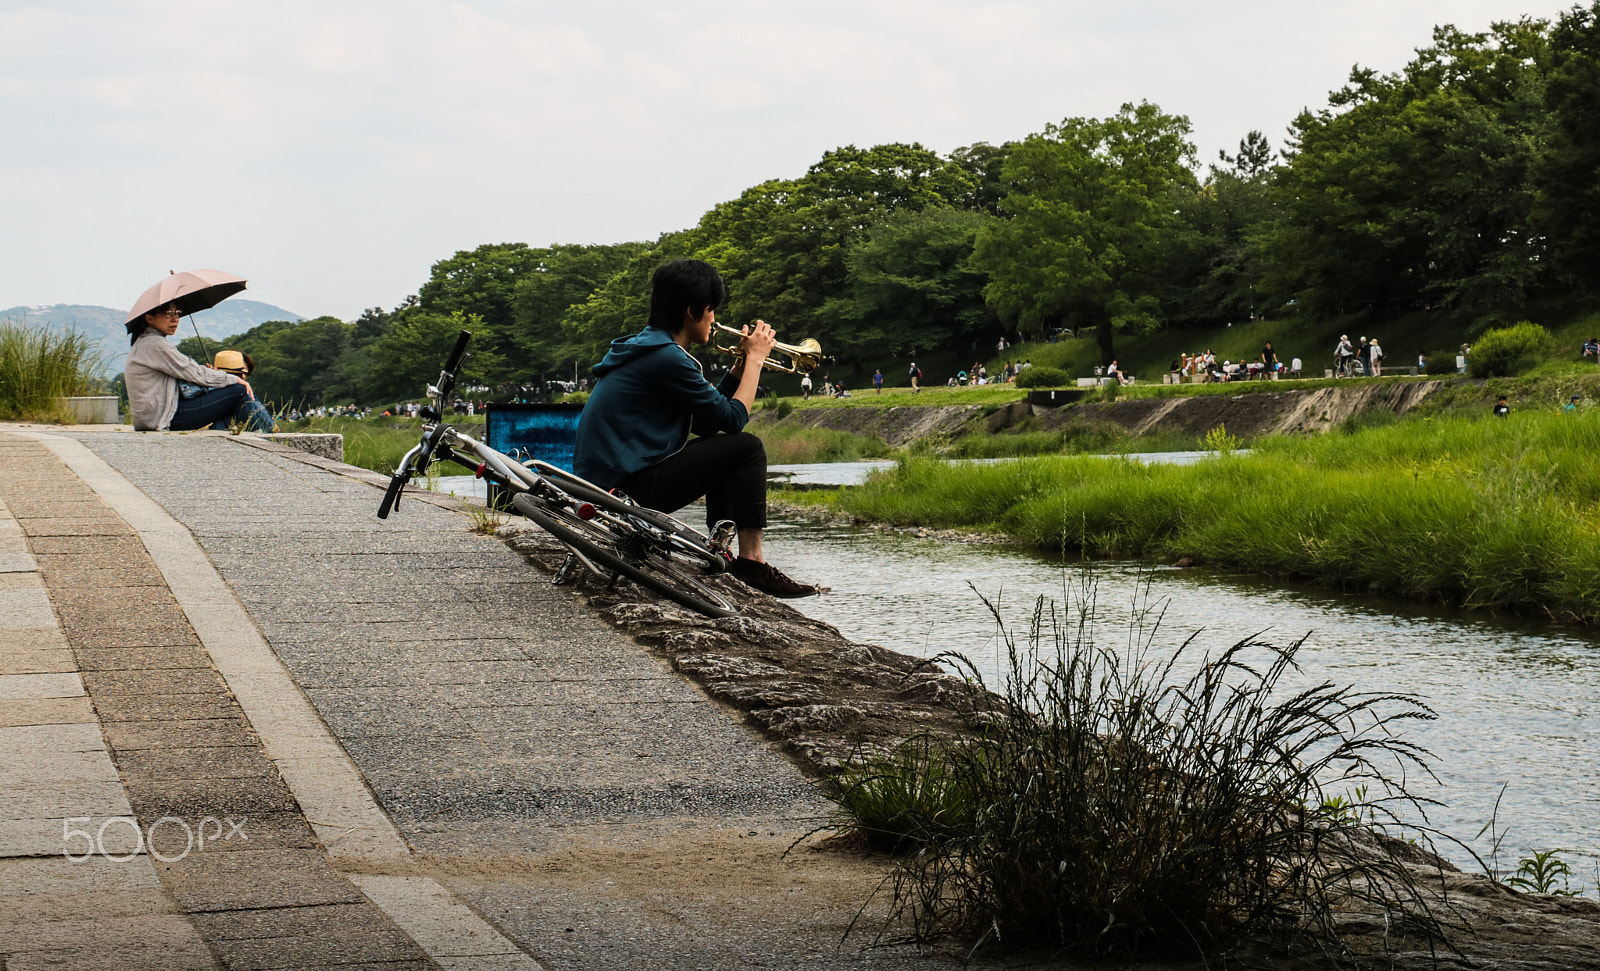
(645, 567)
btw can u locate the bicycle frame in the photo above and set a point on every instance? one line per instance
(629, 539)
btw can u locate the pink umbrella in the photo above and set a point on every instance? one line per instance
(192, 291)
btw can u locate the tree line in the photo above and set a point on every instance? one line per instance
(1466, 183)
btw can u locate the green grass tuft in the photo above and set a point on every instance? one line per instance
(38, 365)
(1111, 805)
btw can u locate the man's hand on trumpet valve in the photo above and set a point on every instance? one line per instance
(755, 344)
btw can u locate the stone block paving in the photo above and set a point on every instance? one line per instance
(141, 825)
(464, 686)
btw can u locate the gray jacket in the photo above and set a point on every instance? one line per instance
(152, 373)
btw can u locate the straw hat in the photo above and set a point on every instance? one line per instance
(230, 361)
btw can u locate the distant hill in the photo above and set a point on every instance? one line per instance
(104, 324)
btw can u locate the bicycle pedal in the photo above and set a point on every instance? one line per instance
(564, 573)
(722, 536)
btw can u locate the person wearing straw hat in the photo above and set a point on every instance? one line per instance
(237, 363)
(169, 391)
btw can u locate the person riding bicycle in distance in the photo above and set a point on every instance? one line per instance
(656, 430)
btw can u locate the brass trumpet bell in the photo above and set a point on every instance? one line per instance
(803, 357)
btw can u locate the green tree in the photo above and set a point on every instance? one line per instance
(482, 283)
(296, 363)
(985, 164)
(620, 305)
(1091, 204)
(1567, 207)
(911, 284)
(782, 245)
(410, 354)
(562, 279)
(1214, 278)
(1412, 189)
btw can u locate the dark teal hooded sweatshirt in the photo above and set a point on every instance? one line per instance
(649, 394)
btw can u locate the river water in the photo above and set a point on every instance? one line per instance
(1518, 700)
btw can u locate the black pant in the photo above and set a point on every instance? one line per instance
(729, 470)
(214, 405)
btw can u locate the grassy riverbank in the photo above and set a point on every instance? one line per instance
(1469, 511)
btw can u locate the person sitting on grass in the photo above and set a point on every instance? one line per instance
(169, 391)
(650, 397)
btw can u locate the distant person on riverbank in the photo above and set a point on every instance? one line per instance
(650, 394)
(1342, 353)
(877, 382)
(1501, 409)
(1572, 406)
(169, 391)
(805, 386)
(1269, 359)
(1374, 358)
(916, 375)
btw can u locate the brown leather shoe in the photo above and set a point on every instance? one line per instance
(769, 579)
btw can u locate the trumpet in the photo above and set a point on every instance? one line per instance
(803, 357)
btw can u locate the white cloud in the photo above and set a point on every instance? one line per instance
(332, 151)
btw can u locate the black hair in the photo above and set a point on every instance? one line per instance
(682, 287)
(137, 326)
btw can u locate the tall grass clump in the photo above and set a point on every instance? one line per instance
(38, 365)
(1120, 803)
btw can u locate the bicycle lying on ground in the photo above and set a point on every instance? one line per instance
(604, 532)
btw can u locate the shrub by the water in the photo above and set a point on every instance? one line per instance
(1112, 805)
(1440, 362)
(1509, 350)
(1044, 377)
(38, 365)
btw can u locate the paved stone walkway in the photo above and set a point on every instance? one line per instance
(398, 728)
(131, 769)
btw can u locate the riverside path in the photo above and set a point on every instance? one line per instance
(246, 724)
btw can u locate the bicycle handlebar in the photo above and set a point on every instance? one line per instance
(454, 361)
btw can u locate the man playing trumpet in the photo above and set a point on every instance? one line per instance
(651, 395)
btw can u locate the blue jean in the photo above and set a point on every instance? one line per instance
(218, 407)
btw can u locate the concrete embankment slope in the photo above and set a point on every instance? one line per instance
(1275, 412)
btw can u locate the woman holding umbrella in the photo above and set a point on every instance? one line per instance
(155, 370)
(167, 390)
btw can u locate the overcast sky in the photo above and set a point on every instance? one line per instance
(332, 151)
